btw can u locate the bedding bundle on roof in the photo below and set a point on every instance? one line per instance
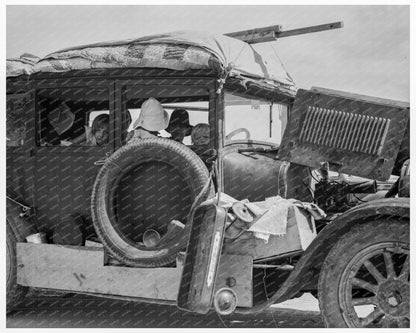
(181, 50)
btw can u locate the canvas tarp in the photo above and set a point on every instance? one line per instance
(179, 50)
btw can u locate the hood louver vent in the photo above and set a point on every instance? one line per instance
(343, 130)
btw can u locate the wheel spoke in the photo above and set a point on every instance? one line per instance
(377, 313)
(389, 265)
(404, 274)
(363, 301)
(374, 271)
(365, 285)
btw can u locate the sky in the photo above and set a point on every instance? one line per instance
(369, 56)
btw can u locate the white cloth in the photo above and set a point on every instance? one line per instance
(272, 217)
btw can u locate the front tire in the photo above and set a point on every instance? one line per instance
(364, 281)
(14, 292)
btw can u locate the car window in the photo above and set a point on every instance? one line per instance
(73, 116)
(254, 119)
(195, 102)
(198, 114)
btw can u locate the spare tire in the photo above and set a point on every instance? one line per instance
(145, 185)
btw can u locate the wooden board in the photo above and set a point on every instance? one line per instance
(81, 269)
(271, 33)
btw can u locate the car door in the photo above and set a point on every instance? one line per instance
(65, 164)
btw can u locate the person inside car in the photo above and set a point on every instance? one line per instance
(152, 119)
(96, 135)
(99, 132)
(200, 137)
(200, 134)
(179, 126)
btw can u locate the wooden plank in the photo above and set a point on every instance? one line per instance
(238, 34)
(308, 30)
(256, 37)
(75, 268)
(81, 269)
(271, 33)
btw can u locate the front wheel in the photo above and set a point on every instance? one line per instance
(364, 281)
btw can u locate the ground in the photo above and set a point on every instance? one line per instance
(43, 310)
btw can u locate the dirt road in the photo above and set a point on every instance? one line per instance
(79, 311)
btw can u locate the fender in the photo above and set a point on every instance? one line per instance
(310, 263)
(21, 226)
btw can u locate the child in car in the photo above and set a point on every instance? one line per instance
(98, 134)
(200, 134)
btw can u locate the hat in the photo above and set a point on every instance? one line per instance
(178, 118)
(152, 116)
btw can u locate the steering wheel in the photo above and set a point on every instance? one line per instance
(238, 131)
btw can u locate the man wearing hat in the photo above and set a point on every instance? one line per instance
(152, 119)
(179, 126)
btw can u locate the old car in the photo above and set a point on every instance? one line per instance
(151, 219)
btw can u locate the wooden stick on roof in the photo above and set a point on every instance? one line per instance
(271, 33)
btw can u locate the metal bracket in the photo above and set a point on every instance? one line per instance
(102, 161)
(26, 210)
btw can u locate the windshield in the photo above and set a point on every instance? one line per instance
(247, 119)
